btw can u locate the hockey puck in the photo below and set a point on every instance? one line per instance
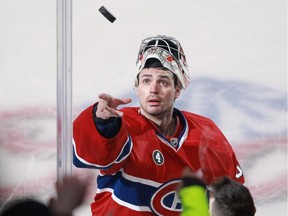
(107, 14)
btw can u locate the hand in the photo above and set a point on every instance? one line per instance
(71, 192)
(107, 106)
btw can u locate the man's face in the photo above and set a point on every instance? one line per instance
(156, 91)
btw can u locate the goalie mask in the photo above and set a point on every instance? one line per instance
(168, 51)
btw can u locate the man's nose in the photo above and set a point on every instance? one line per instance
(154, 87)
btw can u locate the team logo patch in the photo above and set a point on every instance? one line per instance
(158, 157)
(174, 141)
(166, 201)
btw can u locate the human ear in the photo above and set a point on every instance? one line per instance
(136, 89)
(177, 94)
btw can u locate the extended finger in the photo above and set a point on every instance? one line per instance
(113, 102)
(122, 101)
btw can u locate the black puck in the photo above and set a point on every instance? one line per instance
(107, 14)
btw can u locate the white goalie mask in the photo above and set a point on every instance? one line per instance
(170, 54)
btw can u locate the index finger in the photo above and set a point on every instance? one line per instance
(122, 101)
(114, 102)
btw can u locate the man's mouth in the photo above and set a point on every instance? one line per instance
(154, 102)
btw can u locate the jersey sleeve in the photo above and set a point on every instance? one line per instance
(91, 149)
(217, 157)
(221, 163)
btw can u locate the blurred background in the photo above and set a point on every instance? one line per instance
(237, 56)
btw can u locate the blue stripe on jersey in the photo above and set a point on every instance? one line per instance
(81, 163)
(134, 193)
(125, 151)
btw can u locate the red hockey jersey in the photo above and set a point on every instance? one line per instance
(140, 168)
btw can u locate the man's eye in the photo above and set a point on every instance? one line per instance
(163, 83)
(145, 81)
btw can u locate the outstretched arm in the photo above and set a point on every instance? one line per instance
(100, 137)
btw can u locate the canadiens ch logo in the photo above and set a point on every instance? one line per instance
(166, 201)
(158, 157)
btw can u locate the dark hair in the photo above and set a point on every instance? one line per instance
(232, 198)
(155, 63)
(25, 206)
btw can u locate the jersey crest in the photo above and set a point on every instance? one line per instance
(166, 201)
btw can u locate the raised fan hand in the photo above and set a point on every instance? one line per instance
(107, 106)
(71, 192)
